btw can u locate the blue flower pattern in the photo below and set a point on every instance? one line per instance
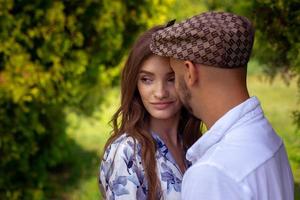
(122, 175)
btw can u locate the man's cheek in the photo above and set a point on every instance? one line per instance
(177, 87)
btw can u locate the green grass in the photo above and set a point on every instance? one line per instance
(277, 99)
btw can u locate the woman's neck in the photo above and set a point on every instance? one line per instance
(166, 129)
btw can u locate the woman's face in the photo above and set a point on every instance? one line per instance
(156, 87)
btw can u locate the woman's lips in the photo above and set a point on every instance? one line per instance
(162, 105)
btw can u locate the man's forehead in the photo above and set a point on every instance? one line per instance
(176, 62)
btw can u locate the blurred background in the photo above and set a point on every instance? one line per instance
(60, 63)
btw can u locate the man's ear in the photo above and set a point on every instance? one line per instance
(191, 73)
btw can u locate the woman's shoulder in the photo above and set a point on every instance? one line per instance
(123, 146)
(121, 158)
(123, 139)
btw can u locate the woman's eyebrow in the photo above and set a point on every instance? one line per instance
(146, 72)
(150, 73)
(170, 73)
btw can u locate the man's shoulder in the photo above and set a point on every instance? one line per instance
(236, 158)
(208, 181)
(207, 169)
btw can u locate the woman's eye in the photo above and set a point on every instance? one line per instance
(171, 79)
(146, 80)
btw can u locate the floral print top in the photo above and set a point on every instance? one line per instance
(122, 174)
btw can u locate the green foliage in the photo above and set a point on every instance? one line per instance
(180, 10)
(56, 55)
(277, 25)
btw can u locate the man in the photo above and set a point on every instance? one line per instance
(240, 156)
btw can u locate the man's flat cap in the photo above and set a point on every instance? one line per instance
(216, 39)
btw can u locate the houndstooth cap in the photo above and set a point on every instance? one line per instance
(216, 39)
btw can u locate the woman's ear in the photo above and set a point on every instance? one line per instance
(191, 73)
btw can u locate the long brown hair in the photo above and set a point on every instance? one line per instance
(132, 118)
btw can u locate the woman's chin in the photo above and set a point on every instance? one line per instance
(163, 115)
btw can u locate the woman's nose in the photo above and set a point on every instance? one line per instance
(161, 91)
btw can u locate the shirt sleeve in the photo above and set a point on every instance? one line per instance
(121, 172)
(209, 183)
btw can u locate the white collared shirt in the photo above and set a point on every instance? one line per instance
(240, 157)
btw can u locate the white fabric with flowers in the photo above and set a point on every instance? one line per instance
(122, 173)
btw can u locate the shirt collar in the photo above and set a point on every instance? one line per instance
(160, 145)
(222, 127)
(164, 151)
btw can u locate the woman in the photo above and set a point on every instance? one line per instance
(145, 156)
